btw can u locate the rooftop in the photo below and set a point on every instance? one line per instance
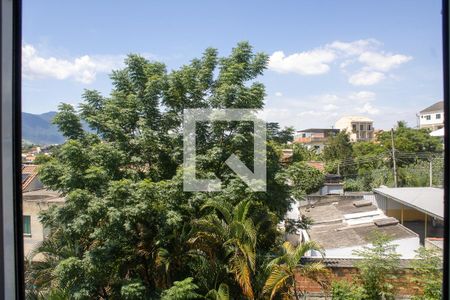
(438, 106)
(319, 130)
(350, 222)
(425, 199)
(29, 172)
(43, 195)
(355, 119)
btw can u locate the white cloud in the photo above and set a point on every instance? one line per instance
(279, 94)
(82, 69)
(356, 47)
(374, 64)
(312, 62)
(383, 62)
(368, 109)
(365, 78)
(330, 107)
(362, 96)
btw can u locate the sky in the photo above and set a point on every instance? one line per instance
(327, 59)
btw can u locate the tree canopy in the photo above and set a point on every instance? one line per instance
(127, 229)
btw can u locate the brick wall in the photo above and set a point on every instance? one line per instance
(405, 287)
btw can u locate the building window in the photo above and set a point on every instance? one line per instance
(438, 116)
(428, 117)
(369, 127)
(361, 126)
(354, 127)
(27, 225)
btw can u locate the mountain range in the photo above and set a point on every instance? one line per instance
(38, 129)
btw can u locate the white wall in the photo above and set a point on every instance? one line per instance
(405, 247)
(433, 121)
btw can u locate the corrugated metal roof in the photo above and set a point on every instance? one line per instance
(426, 199)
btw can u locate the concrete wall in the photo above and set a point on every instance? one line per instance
(33, 209)
(405, 247)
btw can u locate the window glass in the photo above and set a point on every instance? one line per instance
(193, 149)
(27, 225)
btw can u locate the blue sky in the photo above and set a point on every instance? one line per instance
(381, 59)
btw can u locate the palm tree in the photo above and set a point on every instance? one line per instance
(222, 293)
(229, 235)
(283, 270)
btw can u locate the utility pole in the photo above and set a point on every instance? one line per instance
(431, 172)
(393, 157)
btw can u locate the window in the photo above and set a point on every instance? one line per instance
(369, 127)
(438, 116)
(27, 225)
(428, 117)
(354, 127)
(361, 127)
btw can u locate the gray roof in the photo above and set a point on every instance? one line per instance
(331, 227)
(425, 199)
(438, 106)
(327, 211)
(340, 235)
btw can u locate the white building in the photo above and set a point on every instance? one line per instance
(359, 128)
(432, 117)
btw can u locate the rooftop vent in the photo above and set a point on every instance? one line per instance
(362, 203)
(386, 222)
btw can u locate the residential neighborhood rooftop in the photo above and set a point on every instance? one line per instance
(429, 200)
(342, 235)
(438, 106)
(350, 222)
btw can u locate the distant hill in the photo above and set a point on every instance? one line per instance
(38, 129)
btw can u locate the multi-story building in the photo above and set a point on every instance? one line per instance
(314, 138)
(359, 128)
(432, 117)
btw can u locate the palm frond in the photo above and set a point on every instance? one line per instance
(277, 280)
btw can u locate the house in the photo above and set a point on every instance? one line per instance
(33, 203)
(343, 224)
(432, 117)
(314, 138)
(420, 209)
(30, 179)
(359, 128)
(34, 200)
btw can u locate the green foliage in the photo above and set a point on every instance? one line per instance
(414, 142)
(378, 267)
(222, 293)
(68, 122)
(133, 291)
(283, 269)
(182, 290)
(302, 179)
(344, 290)
(281, 136)
(354, 185)
(338, 150)
(427, 274)
(127, 229)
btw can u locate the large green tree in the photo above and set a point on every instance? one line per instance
(127, 226)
